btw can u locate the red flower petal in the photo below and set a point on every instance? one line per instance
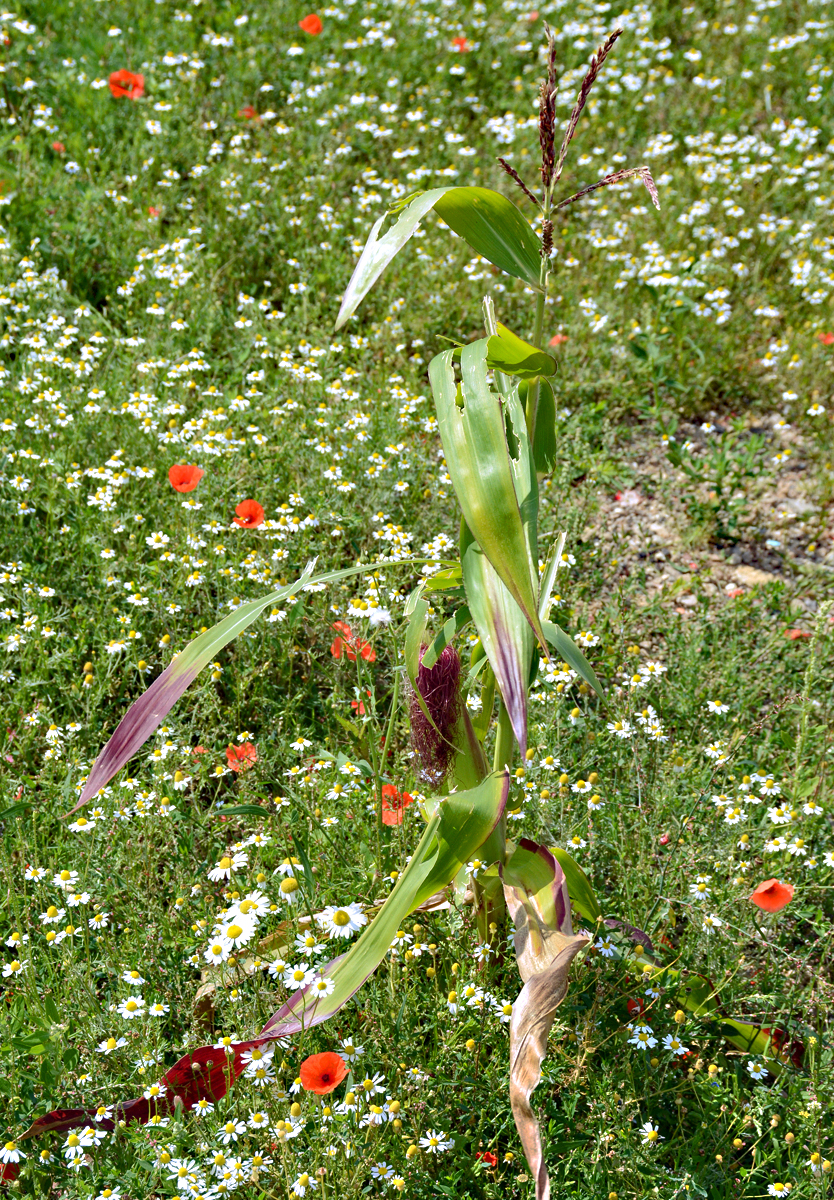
(311, 24)
(394, 804)
(125, 83)
(772, 896)
(322, 1073)
(241, 758)
(184, 477)
(250, 514)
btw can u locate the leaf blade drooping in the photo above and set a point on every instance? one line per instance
(545, 945)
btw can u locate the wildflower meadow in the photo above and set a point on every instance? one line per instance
(417, 471)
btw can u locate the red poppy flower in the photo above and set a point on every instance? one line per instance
(827, 339)
(394, 804)
(125, 83)
(153, 212)
(796, 634)
(636, 1008)
(350, 646)
(311, 24)
(58, 147)
(184, 477)
(558, 338)
(250, 514)
(460, 44)
(772, 895)
(248, 113)
(488, 1157)
(242, 757)
(321, 1073)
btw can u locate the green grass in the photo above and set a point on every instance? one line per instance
(157, 314)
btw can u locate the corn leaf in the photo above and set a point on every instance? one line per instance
(495, 228)
(573, 656)
(492, 225)
(581, 893)
(447, 635)
(458, 825)
(545, 946)
(509, 353)
(505, 634)
(379, 251)
(489, 459)
(153, 706)
(545, 445)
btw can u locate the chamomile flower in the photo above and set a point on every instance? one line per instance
(341, 922)
(649, 1134)
(227, 864)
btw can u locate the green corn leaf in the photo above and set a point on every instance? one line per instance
(415, 638)
(481, 720)
(509, 353)
(447, 635)
(379, 251)
(581, 893)
(545, 446)
(495, 228)
(489, 459)
(564, 644)
(549, 577)
(458, 825)
(492, 225)
(699, 996)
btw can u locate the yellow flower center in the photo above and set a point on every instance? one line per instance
(131, 1006)
(111, 1043)
(289, 885)
(65, 875)
(52, 911)
(234, 931)
(225, 862)
(340, 917)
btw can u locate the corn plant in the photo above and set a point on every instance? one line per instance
(496, 414)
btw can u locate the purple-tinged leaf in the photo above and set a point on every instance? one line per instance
(503, 629)
(153, 706)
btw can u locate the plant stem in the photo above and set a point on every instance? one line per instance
(503, 740)
(538, 327)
